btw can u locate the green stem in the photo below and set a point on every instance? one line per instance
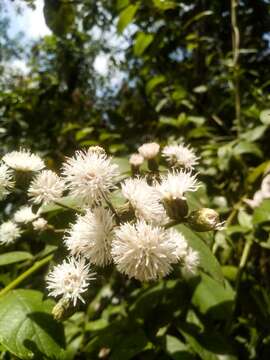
(241, 268)
(36, 266)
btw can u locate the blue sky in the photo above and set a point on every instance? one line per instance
(32, 24)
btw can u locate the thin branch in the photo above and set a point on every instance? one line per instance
(35, 267)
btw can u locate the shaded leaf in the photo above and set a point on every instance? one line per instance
(27, 327)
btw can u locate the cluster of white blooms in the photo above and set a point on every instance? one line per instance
(137, 237)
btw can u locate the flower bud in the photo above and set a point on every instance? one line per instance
(204, 220)
(176, 208)
(62, 310)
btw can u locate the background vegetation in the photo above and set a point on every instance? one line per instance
(194, 71)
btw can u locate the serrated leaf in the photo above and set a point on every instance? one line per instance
(142, 42)
(126, 17)
(208, 262)
(14, 257)
(27, 327)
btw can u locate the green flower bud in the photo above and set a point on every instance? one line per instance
(62, 310)
(204, 220)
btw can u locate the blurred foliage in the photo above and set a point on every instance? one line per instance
(171, 74)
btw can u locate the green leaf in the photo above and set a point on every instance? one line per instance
(262, 213)
(142, 42)
(245, 147)
(258, 171)
(14, 257)
(254, 134)
(154, 82)
(126, 17)
(27, 328)
(208, 262)
(177, 349)
(212, 298)
(209, 346)
(265, 116)
(65, 201)
(164, 4)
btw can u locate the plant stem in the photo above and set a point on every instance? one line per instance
(241, 268)
(65, 206)
(235, 64)
(111, 207)
(36, 266)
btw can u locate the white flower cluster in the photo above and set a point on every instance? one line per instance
(136, 237)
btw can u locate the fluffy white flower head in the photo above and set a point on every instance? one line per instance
(9, 232)
(6, 180)
(149, 150)
(23, 160)
(174, 185)
(24, 215)
(46, 187)
(180, 156)
(146, 252)
(91, 236)
(40, 224)
(144, 199)
(89, 175)
(70, 279)
(136, 160)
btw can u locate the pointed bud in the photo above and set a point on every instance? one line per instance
(204, 220)
(62, 310)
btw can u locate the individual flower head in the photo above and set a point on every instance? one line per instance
(180, 156)
(46, 187)
(6, 180)
(70, 279)
(136, 160)
(40, 224)
(9, 232)
(146, 252)
(24, 215)
(90, 175)
(24, 161)
(149, 150)
(144, 199)
(176, 184)
(91, 236)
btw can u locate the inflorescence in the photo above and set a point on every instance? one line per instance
(138, 236)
